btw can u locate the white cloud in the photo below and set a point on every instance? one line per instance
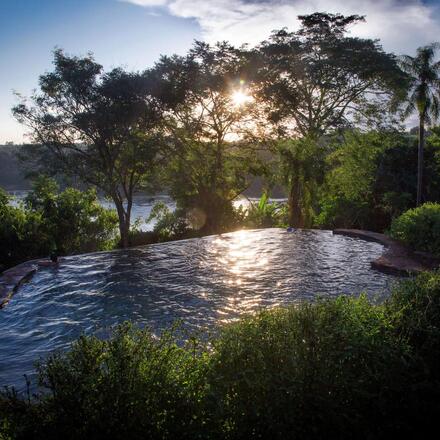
(402, 25)
(149, 2)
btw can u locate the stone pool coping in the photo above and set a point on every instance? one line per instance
(397, 259)
(11, 279)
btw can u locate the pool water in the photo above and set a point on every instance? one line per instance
(202, 282)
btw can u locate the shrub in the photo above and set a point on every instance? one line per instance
(419, 228)
(142, 238)
(342, 368)
(133, 386)
(74, 221)
(415, 308)
(70, 221)
(371, 178)
(308, 372)
(265, 214)
(169, 224)
(21, 234)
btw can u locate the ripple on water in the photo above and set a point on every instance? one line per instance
(199, 281)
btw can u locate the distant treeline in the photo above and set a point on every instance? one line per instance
(12, 175)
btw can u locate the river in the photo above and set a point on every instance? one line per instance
(142, 205)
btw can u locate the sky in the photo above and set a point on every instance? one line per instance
(133, 33)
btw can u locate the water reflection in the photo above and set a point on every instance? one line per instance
(201, 282)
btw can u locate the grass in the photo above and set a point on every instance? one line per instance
(342, 368)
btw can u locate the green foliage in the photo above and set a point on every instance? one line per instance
(422, 96)
(21, 235)
(301, 165)
(317, 80)
(370, 179)
(265, 214)
(70, 221)
(185, 223)
(132, 386)
(210, 157)
(315, 77)
(74, 220)
(419, 228)
(178, 123)
(308, 371)
(168, 224)
(348, 193)
(415, 310)
(424, 77)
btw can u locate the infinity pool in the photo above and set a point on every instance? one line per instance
(202, 282)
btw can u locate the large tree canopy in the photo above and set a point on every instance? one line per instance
(101, 127)
(318, 79)
(207, 128)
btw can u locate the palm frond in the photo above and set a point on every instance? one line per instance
(424, 86)
(408, 65)
(409, 110)
(436, 67)
(435, 107)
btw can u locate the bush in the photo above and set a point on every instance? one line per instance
(170, 225)
(341, 368)
(21, 235)
(265, 214)
(415, 308)
(311, 371)
(419, 228)
(70, 221)
(142, 238)
(74, 220)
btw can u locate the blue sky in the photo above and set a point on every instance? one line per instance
(133, 33)
(118, 33)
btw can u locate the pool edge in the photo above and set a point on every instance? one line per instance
(397, 259)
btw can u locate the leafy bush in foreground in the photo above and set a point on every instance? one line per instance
(419, 228)
(340, 369)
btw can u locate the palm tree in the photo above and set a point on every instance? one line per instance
(423, 96)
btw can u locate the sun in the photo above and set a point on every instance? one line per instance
(239, 97)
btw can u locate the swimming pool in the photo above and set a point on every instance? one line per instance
(202, 282)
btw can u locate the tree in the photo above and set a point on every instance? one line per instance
(423, 97)
(362, 182)
(371, 178)
(301, 166)
(101, 127)
(318, 79)
(209, 119)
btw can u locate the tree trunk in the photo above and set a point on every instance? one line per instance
(124, 221)
(420, 159)
(295, 212)
(124, 233)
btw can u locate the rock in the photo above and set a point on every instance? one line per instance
(397, 258)
(12, 278)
